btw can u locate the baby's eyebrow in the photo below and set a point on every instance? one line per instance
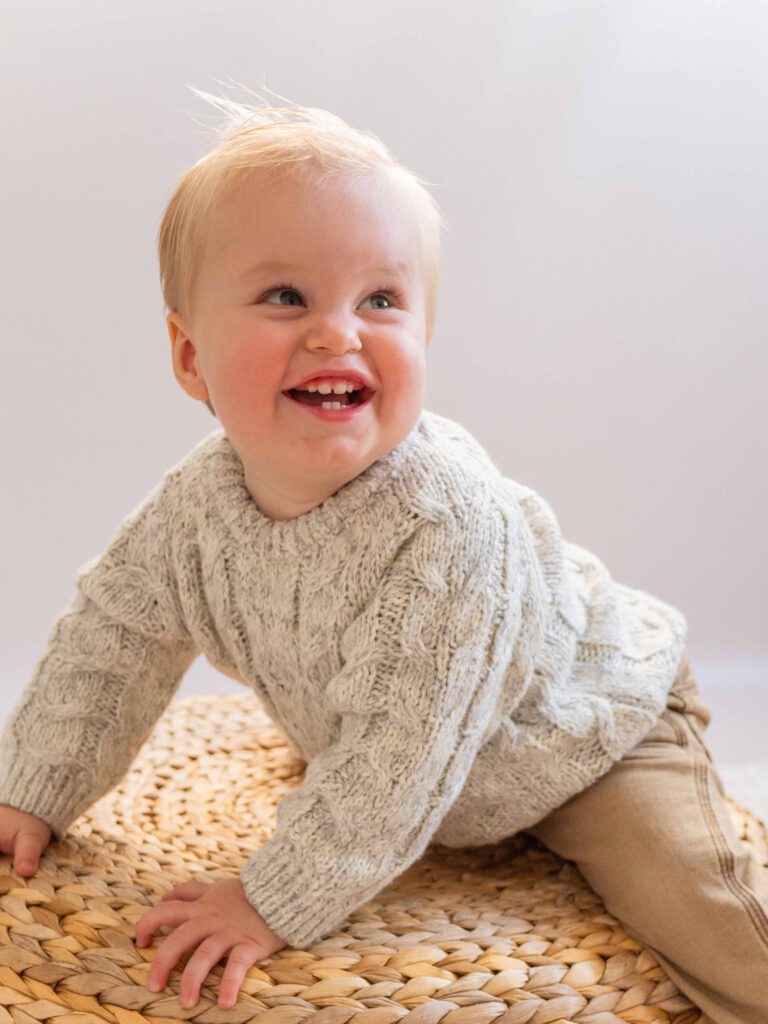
(401, 267)
(279, 267)
(270, 267)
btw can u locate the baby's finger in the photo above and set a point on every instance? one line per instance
(172, 913)
(187, 891)
(183, 940)
(206, 956)
(25, 868)
(26, 855)
(242, 957)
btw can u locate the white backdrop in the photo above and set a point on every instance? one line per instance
(603, 168)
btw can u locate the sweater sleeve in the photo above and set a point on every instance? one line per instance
(114, 658)
(425, 667)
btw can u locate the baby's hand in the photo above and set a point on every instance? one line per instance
(25, 836)
(217, 918)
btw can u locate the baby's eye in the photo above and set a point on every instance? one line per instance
(390, 294)
(283, 288)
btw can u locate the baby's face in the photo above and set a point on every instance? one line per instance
(348, 296)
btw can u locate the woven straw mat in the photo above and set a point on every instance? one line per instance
(500, 934)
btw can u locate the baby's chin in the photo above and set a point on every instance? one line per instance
(321, 440)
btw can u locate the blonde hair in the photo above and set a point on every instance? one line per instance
(272, 141)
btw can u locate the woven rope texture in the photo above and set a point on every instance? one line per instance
(503, 934)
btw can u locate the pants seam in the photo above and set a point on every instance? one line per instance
(726, 857)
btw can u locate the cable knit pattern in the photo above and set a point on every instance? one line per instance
(449, 666)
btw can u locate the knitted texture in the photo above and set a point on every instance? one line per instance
(448, 665)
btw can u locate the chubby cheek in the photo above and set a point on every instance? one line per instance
(242, 386)
(403, 384)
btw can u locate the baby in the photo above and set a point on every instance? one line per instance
(451, 668)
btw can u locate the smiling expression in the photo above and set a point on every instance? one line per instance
(296, 280)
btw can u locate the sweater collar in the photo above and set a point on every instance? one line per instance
(224, 481)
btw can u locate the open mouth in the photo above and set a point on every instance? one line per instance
(357, 397)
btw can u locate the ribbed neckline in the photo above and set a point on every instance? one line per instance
(224, 480)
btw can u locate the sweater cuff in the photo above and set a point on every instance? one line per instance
(286, 889)
(43, 789)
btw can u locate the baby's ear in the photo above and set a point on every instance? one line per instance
(184, 359)
(175, 325)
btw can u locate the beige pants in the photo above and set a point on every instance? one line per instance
(655, 840)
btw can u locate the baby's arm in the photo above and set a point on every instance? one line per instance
(114, 659)
(424, 670)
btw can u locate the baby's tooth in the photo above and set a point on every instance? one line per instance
(327, 388)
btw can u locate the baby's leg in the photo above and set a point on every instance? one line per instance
(655, 840)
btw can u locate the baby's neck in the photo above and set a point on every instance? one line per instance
(281, 502)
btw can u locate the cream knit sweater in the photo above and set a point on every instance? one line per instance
(449, 666)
